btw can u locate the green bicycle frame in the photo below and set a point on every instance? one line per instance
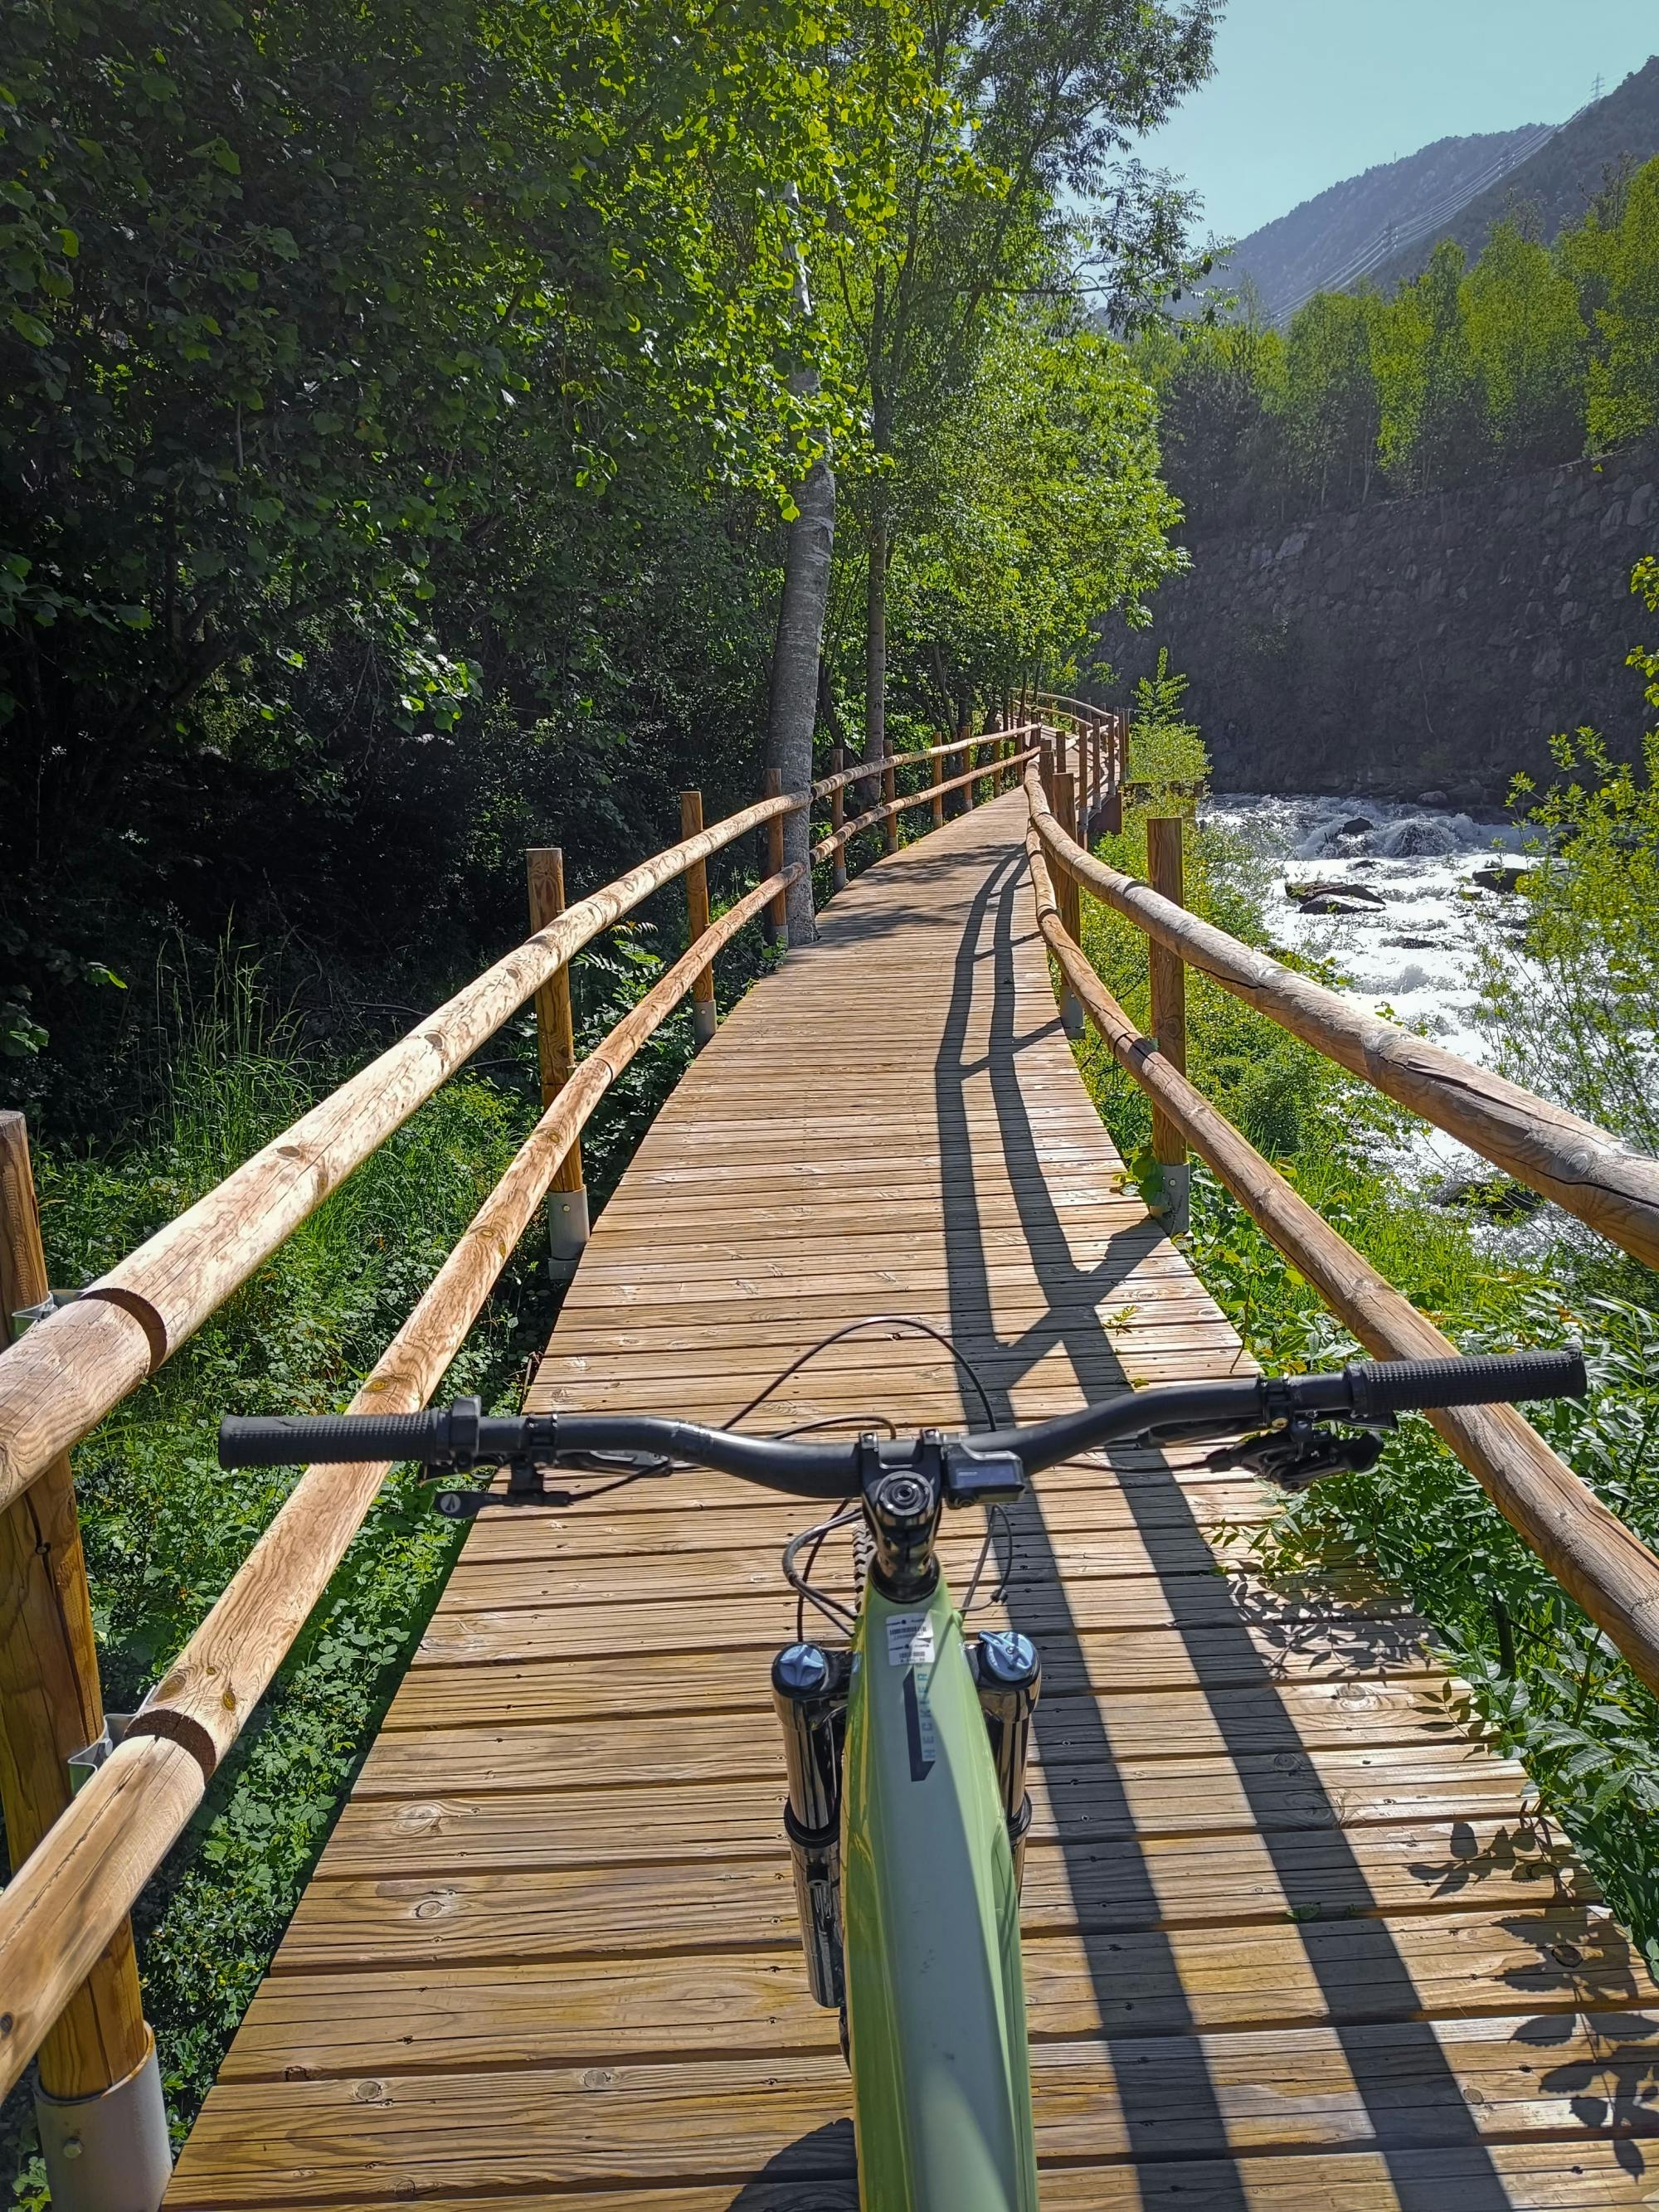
(930, 1908)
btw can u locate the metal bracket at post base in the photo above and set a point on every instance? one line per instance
(704, 1022)
(568, 1226)
(1072, 1017)
(109, 2152)
(1173, 1212)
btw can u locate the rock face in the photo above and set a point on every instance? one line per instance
(1414, 646)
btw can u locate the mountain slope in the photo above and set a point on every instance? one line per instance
(1555, 186)
(1320, 245)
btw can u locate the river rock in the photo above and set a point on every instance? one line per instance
(1433, 799)
(1305, 894)
(1357, 827)
(1502, 876)
(1496, 1196)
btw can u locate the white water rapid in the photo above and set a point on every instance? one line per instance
(1407, 873)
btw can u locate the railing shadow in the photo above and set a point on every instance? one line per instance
(1174, 1545)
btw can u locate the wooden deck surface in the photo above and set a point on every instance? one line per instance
(1289, 1941)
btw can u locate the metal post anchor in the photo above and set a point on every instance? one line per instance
(109, 2152)
(567, 1227)
(1173, 1212)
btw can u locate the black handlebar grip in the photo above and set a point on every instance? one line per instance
(1403, 1385)
(291, 1440)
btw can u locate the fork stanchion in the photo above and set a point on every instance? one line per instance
(556, 1054)
(1168, 975)
(704, 1017)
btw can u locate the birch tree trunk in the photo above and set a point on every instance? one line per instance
(792, 710)
(875, 667)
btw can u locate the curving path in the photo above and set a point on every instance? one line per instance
(1290, 1942)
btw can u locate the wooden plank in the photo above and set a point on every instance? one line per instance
(360, 1914)
(726, 2118)
(1558, 1958)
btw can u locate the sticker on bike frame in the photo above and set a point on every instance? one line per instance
(921, 1739)
(910, 1639)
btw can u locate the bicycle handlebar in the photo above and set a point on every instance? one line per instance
(1365, 1392)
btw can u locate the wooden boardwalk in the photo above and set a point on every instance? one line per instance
(1290, 1942)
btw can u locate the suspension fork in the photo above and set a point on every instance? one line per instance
(809, 1694)
(1008, 1676)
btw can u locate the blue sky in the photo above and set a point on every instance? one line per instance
(1308, 92)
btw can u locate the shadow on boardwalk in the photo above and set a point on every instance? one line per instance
(1109, 1881)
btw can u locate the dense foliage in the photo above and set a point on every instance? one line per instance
(1535, 354)
(399, 410)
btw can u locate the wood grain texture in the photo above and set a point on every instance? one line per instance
(1293, 1942)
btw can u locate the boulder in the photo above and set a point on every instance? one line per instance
(1356, 827)
(1433, 799)
(1361, 894)
(1496, 1196)
(1502, 876)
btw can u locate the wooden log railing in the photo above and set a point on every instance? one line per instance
(1599, 1561)
(1583, 1169)
(69, 1899)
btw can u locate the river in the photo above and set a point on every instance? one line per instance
(1408, 950)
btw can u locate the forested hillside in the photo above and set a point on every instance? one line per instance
(1313, 246)
(1553, 189)
(1535, 354)
(404, 408)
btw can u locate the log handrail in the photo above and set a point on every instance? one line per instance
(1599, 1561)
(827, 847)
(70, 1369)
(866, 771)
(1584, 1169)
(73, 1892)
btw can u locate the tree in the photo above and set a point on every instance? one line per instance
(1333, 409)
(1624, 376)
(1030, 106)
(306, 299)
(1050, 509)
(1530, 346)
(1433, 425)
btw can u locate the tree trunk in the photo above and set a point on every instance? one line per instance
(875, 667)
(791, 711)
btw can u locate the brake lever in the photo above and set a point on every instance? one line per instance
(1295, 1457)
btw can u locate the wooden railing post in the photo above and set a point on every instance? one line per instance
(936, 768)
(556, 1053)
(103, 2124)
(1116, 771)
(1070, 902)
(703, 1015)
(889, 794)
(777, 909)
(1046, 766)
(837, 817)
(1168, 974)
